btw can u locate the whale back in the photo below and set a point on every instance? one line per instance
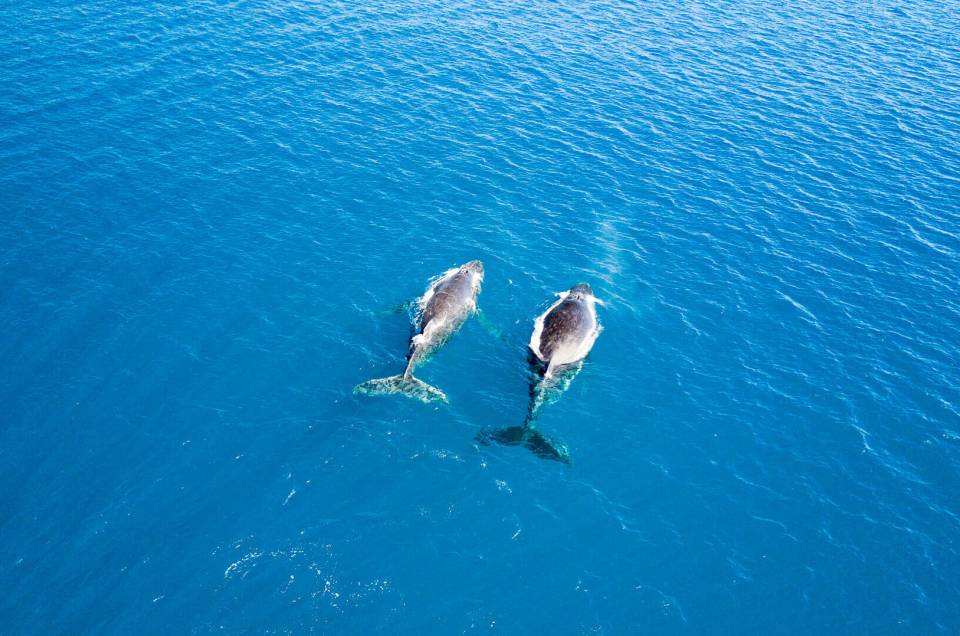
(567, 325)
(451, 297)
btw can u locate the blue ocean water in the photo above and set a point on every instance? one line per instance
(210, 208)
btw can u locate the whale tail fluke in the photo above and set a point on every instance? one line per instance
(401, 385)
(531, 438)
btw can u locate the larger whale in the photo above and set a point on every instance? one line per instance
(562, 337)
(447, 302)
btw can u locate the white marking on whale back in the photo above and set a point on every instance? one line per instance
(566, 352)
(570, 352)
(432, 328)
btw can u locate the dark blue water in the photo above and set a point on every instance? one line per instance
(209, 210)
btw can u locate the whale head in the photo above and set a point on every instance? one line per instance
(581, 290)
(474, 267)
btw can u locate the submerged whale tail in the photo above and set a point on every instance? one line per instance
(531, 438)
(401, 385)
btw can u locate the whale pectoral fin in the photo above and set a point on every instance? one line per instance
(396, 310)
(535, 441)
(406, 385)
(488, 326)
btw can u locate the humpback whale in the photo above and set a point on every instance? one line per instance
(562, 337)
(447, 302)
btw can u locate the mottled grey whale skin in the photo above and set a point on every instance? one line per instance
(448, 301)
(444, 307)
(562, 337)
(451, 294)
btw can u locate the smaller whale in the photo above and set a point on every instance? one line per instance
(562, 337)
(448, 301)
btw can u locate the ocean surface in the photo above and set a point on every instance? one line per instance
(211, 209)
